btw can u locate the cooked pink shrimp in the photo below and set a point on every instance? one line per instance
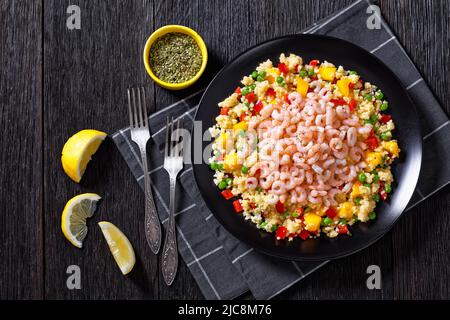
(251, 183)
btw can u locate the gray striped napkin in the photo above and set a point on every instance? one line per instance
(224, 267)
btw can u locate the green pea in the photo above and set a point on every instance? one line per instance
(286, 214)
(367, 121)
(213, 165)
(352, 73)
(228, 180)
(343, 221)
(280, 79)
(247, 104)
(311, 73)
(303, 73)
(379, 95)
(222, 184)
(376, 197)
(306, 209)
(373, 118)
(274, 228)
(362, 177)
(245, 91)
(260, 78)
(262, 74)
(252, 87)
(388, 188)
(220, 166)
(355, 217)
(368, 97)
(244, 169)
(367, 185)
(259, 189)
(376, 177)
(254, 75)
(386, 136)
(294, 215)
(384, 106)
(372, 215)
(327, 221)
(357, 201)
(263, 224)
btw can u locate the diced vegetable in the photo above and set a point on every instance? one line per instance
(385, 118)
(312, 222)
(327, 221)
(227, 194)
(352, 105)
(222, 185)
(314, 62)
(279, 206)
(362, 177)
(373, 159)
(346, 210)
(331, 212)
(372, 215)
(251, 97)
(281, 233)
(391, 147)
(379, 95)
(342, 85)
(342, 229)
(230, 162)
(244, 169)
(302, 86)
(237, 206)
(327, 73)
(283, 68)
(304, 235)
(384, 106)
(240, 126)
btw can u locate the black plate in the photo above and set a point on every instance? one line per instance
(406, 169)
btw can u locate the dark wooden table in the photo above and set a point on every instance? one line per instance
(55, 81)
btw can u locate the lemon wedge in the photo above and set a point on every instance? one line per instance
(73, 220)
(119, 245)
(77, 152)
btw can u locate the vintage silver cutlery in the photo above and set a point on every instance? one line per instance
(173, 163)
(140, 134)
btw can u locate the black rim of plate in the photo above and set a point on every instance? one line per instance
(405, 170)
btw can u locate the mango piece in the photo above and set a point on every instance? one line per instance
(391, 147)
(373, 159)
(355, 190)
(346, 210)
(342, 85)
(230, 162)
(222, 140)
(240, 126)
(302, 86)
(272, 74)
(327, 73)
(312, 222)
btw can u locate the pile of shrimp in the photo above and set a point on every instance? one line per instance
(309, 149)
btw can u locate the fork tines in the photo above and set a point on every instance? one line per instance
(136, 108)
(174, 151)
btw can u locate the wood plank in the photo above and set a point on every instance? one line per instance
(87, 73)
(21, 257)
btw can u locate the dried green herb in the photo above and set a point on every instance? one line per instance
(175, 57)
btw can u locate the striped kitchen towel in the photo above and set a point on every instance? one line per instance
(224, 267)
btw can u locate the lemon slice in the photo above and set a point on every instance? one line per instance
(73, 220)
(77, 152)
(119, 246)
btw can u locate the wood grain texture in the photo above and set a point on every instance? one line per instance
(21, 264)
(85, 74)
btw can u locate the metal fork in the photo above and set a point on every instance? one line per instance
(140, 134)
(173, 163)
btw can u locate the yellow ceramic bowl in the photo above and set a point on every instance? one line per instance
(169, 29)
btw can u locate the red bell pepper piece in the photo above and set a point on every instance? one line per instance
(304, 234)
(331, 212)
(281, 232)
(280, 207)
(227, 194)
(238, 90)
(237, 206)
(338, 102)
(372, 141)
(286, 98)
(300, 210)
(351, 85)
(342, 229)
(251, 97)
(270, 92)
(242, 116)
(257, 107)
(352, 105)
(224, 111)
(314, 62)
(385, 118)
(283, 68)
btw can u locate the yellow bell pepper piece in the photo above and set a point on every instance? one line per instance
(373, 159)
(355, 190)
(222, 140)
(346, 210)
(342, 85)
(272, 74)
(302, 86)
(240, 126)
(391, 147)
(230, 162)
(312, 222)
(327, 73)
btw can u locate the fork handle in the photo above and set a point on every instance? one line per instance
(170, 250)
(152, 224)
